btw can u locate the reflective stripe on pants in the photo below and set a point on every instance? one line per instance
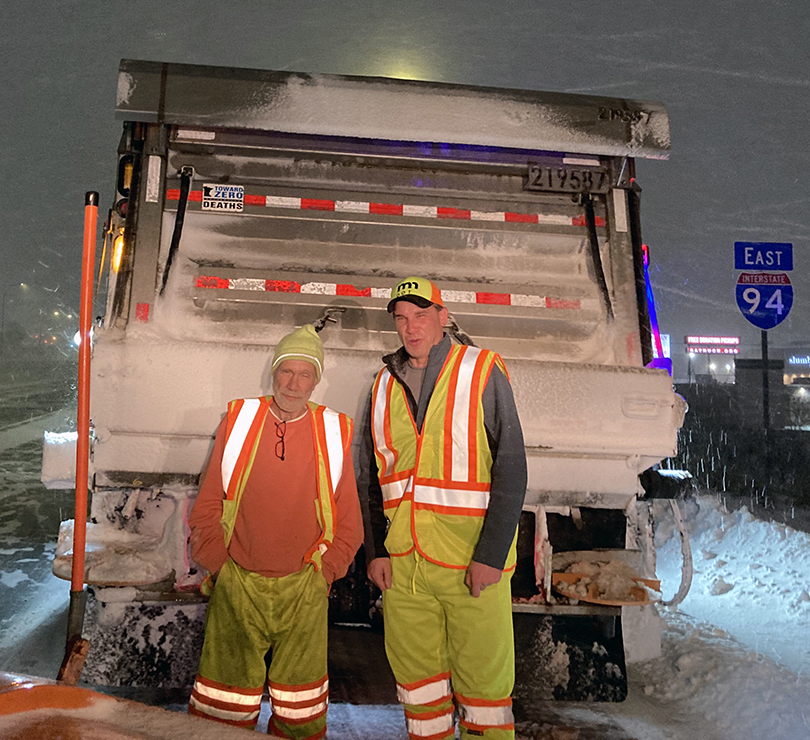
(224, 703)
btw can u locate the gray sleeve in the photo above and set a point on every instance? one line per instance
(375, 524)
(509, 475)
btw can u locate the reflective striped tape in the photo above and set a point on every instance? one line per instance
(427, 692)
(237, 707)
(394, 491)
(299, 703)
(462, 400)
(378, 429)
(292, 694)
(486, 716)
(393, 209)
(344, 289)
(299, 713)
(334, 446)
(430, 728)
(454, 498)
(236, 439)
(483, 713)
(234, 717)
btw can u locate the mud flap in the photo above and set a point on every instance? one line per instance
(568, 658)
(142, 643)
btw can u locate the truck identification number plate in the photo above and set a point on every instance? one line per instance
(566, 179)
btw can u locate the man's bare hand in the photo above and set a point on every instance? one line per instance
(479, 576)
(379, 571)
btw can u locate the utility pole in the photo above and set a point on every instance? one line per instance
(766, 396)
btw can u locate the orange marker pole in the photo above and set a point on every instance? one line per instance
(76, 613)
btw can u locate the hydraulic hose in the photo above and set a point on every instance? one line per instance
(596, 255)
(644, 324)
(186, 175)
(686, 551)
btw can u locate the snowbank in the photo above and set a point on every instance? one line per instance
(751, 578)
(742, 695)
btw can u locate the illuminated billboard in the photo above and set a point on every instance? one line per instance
(799, 360)
(721, 341)
(698, 344)
(701, 350)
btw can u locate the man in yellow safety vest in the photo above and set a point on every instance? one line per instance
(276, 521)
(444, 469)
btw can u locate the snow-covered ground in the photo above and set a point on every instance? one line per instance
(735, 662)
(751, 579)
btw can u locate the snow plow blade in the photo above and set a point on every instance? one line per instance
(38, 709)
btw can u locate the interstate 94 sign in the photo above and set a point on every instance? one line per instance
(764, 298)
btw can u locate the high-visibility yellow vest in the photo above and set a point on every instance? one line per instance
(436, 484)
(332, 434)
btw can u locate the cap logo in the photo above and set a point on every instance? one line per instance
(402, 287)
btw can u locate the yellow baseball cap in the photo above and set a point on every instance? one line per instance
(416, 290)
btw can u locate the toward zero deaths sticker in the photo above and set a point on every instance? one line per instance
(223, 198)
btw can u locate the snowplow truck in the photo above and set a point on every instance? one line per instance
(248, 203)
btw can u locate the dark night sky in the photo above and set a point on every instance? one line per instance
(734, 75)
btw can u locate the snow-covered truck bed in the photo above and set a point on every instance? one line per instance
(251, 202)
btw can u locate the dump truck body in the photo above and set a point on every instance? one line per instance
(249, 202)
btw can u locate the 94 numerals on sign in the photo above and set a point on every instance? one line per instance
(765, 299)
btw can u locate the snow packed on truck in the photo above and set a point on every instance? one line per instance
(250, 202)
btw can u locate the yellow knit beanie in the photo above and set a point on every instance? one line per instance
(302, 344)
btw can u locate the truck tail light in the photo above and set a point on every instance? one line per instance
(126, 166)
(117, 252)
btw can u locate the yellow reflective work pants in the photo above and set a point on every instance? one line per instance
(248, 615)
(444, 645)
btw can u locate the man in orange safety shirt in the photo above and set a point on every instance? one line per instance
(277, 520)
